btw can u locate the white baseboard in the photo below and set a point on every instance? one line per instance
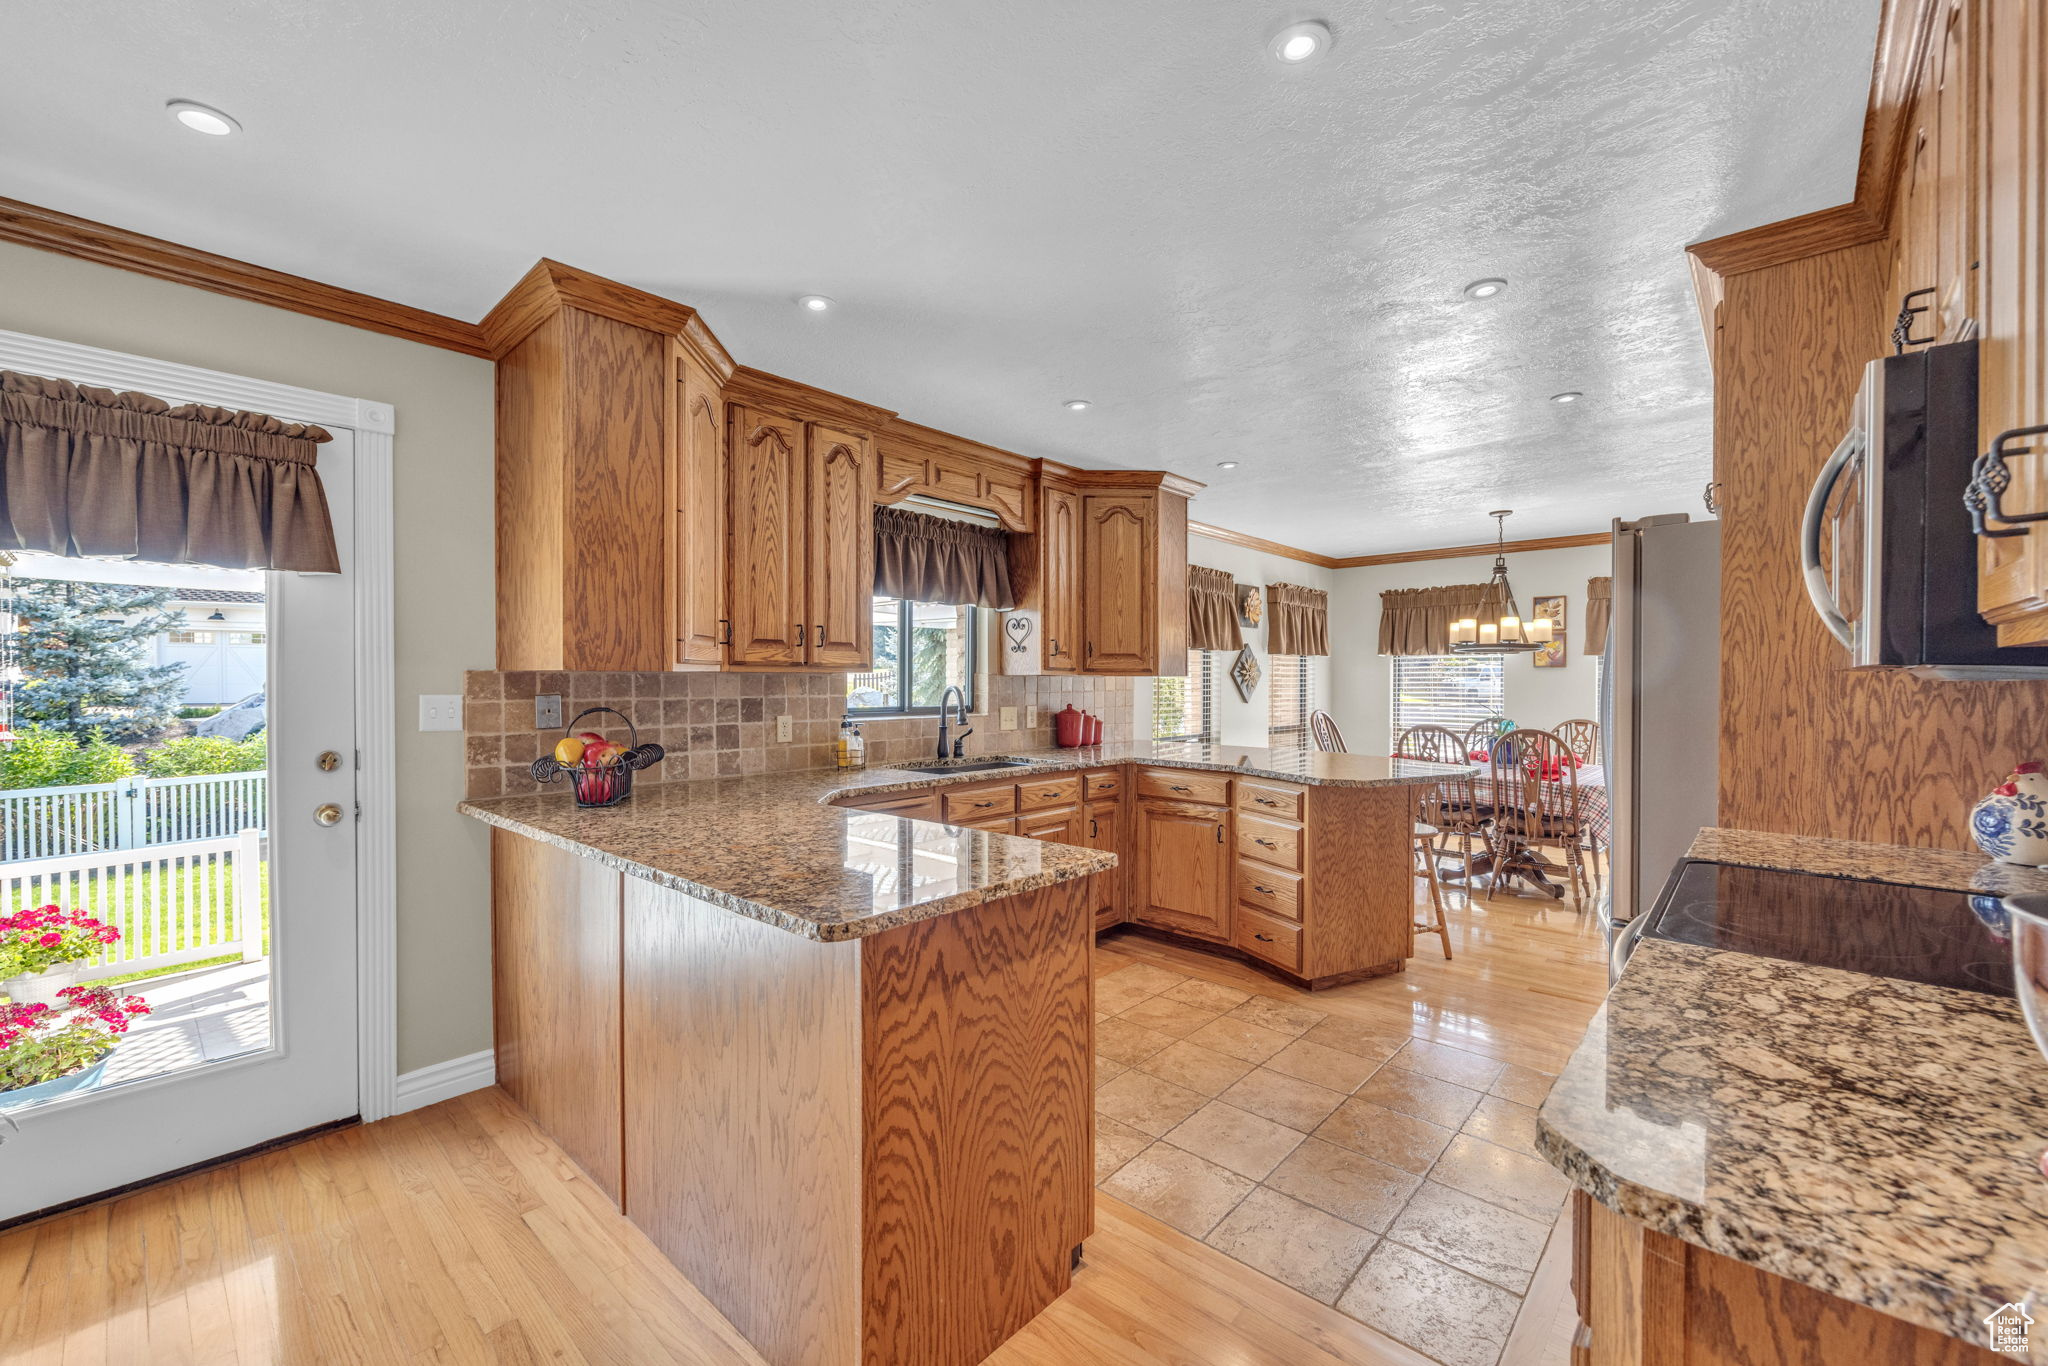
(445, 1080)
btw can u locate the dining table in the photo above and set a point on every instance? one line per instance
(1512, 858)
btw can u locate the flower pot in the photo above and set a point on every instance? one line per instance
(84, 1079)
(42, 986)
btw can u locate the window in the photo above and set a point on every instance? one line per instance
(245, 637)
(1184, 708)
(921, 649)
(189, 637)
(1293, 682)
(1453, 691)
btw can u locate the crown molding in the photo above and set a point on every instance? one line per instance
(552, 286)
(1457, 552)
(1239, 538)
(1904, 36)
(797, 399)
(48, 230)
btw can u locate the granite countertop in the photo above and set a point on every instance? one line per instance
(1953, 869)
(1873, 1138)
(769, 847)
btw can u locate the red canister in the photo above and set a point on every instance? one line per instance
(1094, 731)
(1068, 728)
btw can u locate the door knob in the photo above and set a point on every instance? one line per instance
(327, 814)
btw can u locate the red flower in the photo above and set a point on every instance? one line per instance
(52, 939)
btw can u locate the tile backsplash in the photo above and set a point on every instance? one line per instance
(723, 725)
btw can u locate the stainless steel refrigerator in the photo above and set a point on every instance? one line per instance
(1660, 700)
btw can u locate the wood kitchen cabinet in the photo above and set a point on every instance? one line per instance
(1184, 865)
(696, 503)
(1104, 827)
(1060, 585)
(800, 511)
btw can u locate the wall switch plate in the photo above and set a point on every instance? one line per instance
(785, 729)
(440, 711)
(1009, 718)
(547, 711)
(1031, 718)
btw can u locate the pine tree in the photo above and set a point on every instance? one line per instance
(82, 651)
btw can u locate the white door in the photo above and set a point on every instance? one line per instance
(265, 1047)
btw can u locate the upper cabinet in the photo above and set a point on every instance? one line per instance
(1103, 584)
(662, 508)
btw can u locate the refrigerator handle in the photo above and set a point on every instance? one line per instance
(1817, 586)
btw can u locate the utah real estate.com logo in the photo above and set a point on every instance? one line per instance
(2006, 1329)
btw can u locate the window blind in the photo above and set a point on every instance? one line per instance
(1184, 708)
(1454, 691)
(1293, 698)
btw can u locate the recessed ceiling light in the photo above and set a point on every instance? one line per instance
(815, 303)
(202, 118)
(1485, 289)
(1568, 396)
(1298, 43)
(1077, 405)
(1226, 464)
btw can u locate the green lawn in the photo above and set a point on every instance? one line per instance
(135, 903)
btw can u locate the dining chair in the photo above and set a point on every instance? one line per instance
(1425, 860)
(1449, 809)
(1323, 727)
(1582, 737)
(1535, 790)
(1482, 733)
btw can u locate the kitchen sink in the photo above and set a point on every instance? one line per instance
(964, 765)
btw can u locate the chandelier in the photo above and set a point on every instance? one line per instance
(1509, 635)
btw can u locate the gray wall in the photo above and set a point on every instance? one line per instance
(445, 589)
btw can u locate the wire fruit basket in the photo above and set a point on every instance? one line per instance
(600, 780)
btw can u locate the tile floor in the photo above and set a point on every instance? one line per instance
(1392, 1178)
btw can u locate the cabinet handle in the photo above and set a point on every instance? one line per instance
(1219, 834)
(1262, 938)
(1265, 801)
(1091, 649)
(818, 636)
(1055, 645)
(979, 805)
(1091, 828)
(1256, 840)
(725, 630)
(1262, 891)
(1176, 787)
(799, 633)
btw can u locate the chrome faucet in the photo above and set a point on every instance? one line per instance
(953, 690)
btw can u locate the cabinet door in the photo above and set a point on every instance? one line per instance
(1103, 826)
(841, 550)
(1184, 867)
(1119, 584)
(765, 508)
(1060, 591)
(697, 512)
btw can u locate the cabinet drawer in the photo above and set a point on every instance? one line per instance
(1269, 889)
(1181, 786)
(1061, 825)
(1045, 792)
(1101, 785)
(1269, 842)
(1264, 799)
(918, 805)
(995, 825)
(1262, 936)
(978, 803)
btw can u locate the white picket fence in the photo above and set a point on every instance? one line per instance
(173, 903)
(90, 818)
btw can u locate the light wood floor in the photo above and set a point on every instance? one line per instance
(460, 1234)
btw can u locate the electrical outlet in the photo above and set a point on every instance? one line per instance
(1031, 718)
(440, 711)
(1009, 718)
(785, 728)
(547, 711)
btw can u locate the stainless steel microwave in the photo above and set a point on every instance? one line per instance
(1886, 544)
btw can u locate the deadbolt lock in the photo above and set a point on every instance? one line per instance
(328, 761)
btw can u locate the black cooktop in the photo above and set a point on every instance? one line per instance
(1918, 934)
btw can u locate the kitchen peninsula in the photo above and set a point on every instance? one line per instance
(839, 1063)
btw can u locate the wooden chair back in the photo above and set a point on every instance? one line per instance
(1582, 737)
(1451, 804)
(1323, 727)
(1536, 786)
(1439, 743)
(1481, 734)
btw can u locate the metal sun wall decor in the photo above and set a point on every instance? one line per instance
(1244, 671)
(1251, 604)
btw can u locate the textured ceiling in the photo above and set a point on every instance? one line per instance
(1015, 204)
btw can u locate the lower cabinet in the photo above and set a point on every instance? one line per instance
(1184, 868)
(1104, 826)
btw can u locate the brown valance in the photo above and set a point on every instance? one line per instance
(931, 559)
(1212, 610)
(1297, 620)
(1417, 621)
(87, 471)
(1599, 611)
